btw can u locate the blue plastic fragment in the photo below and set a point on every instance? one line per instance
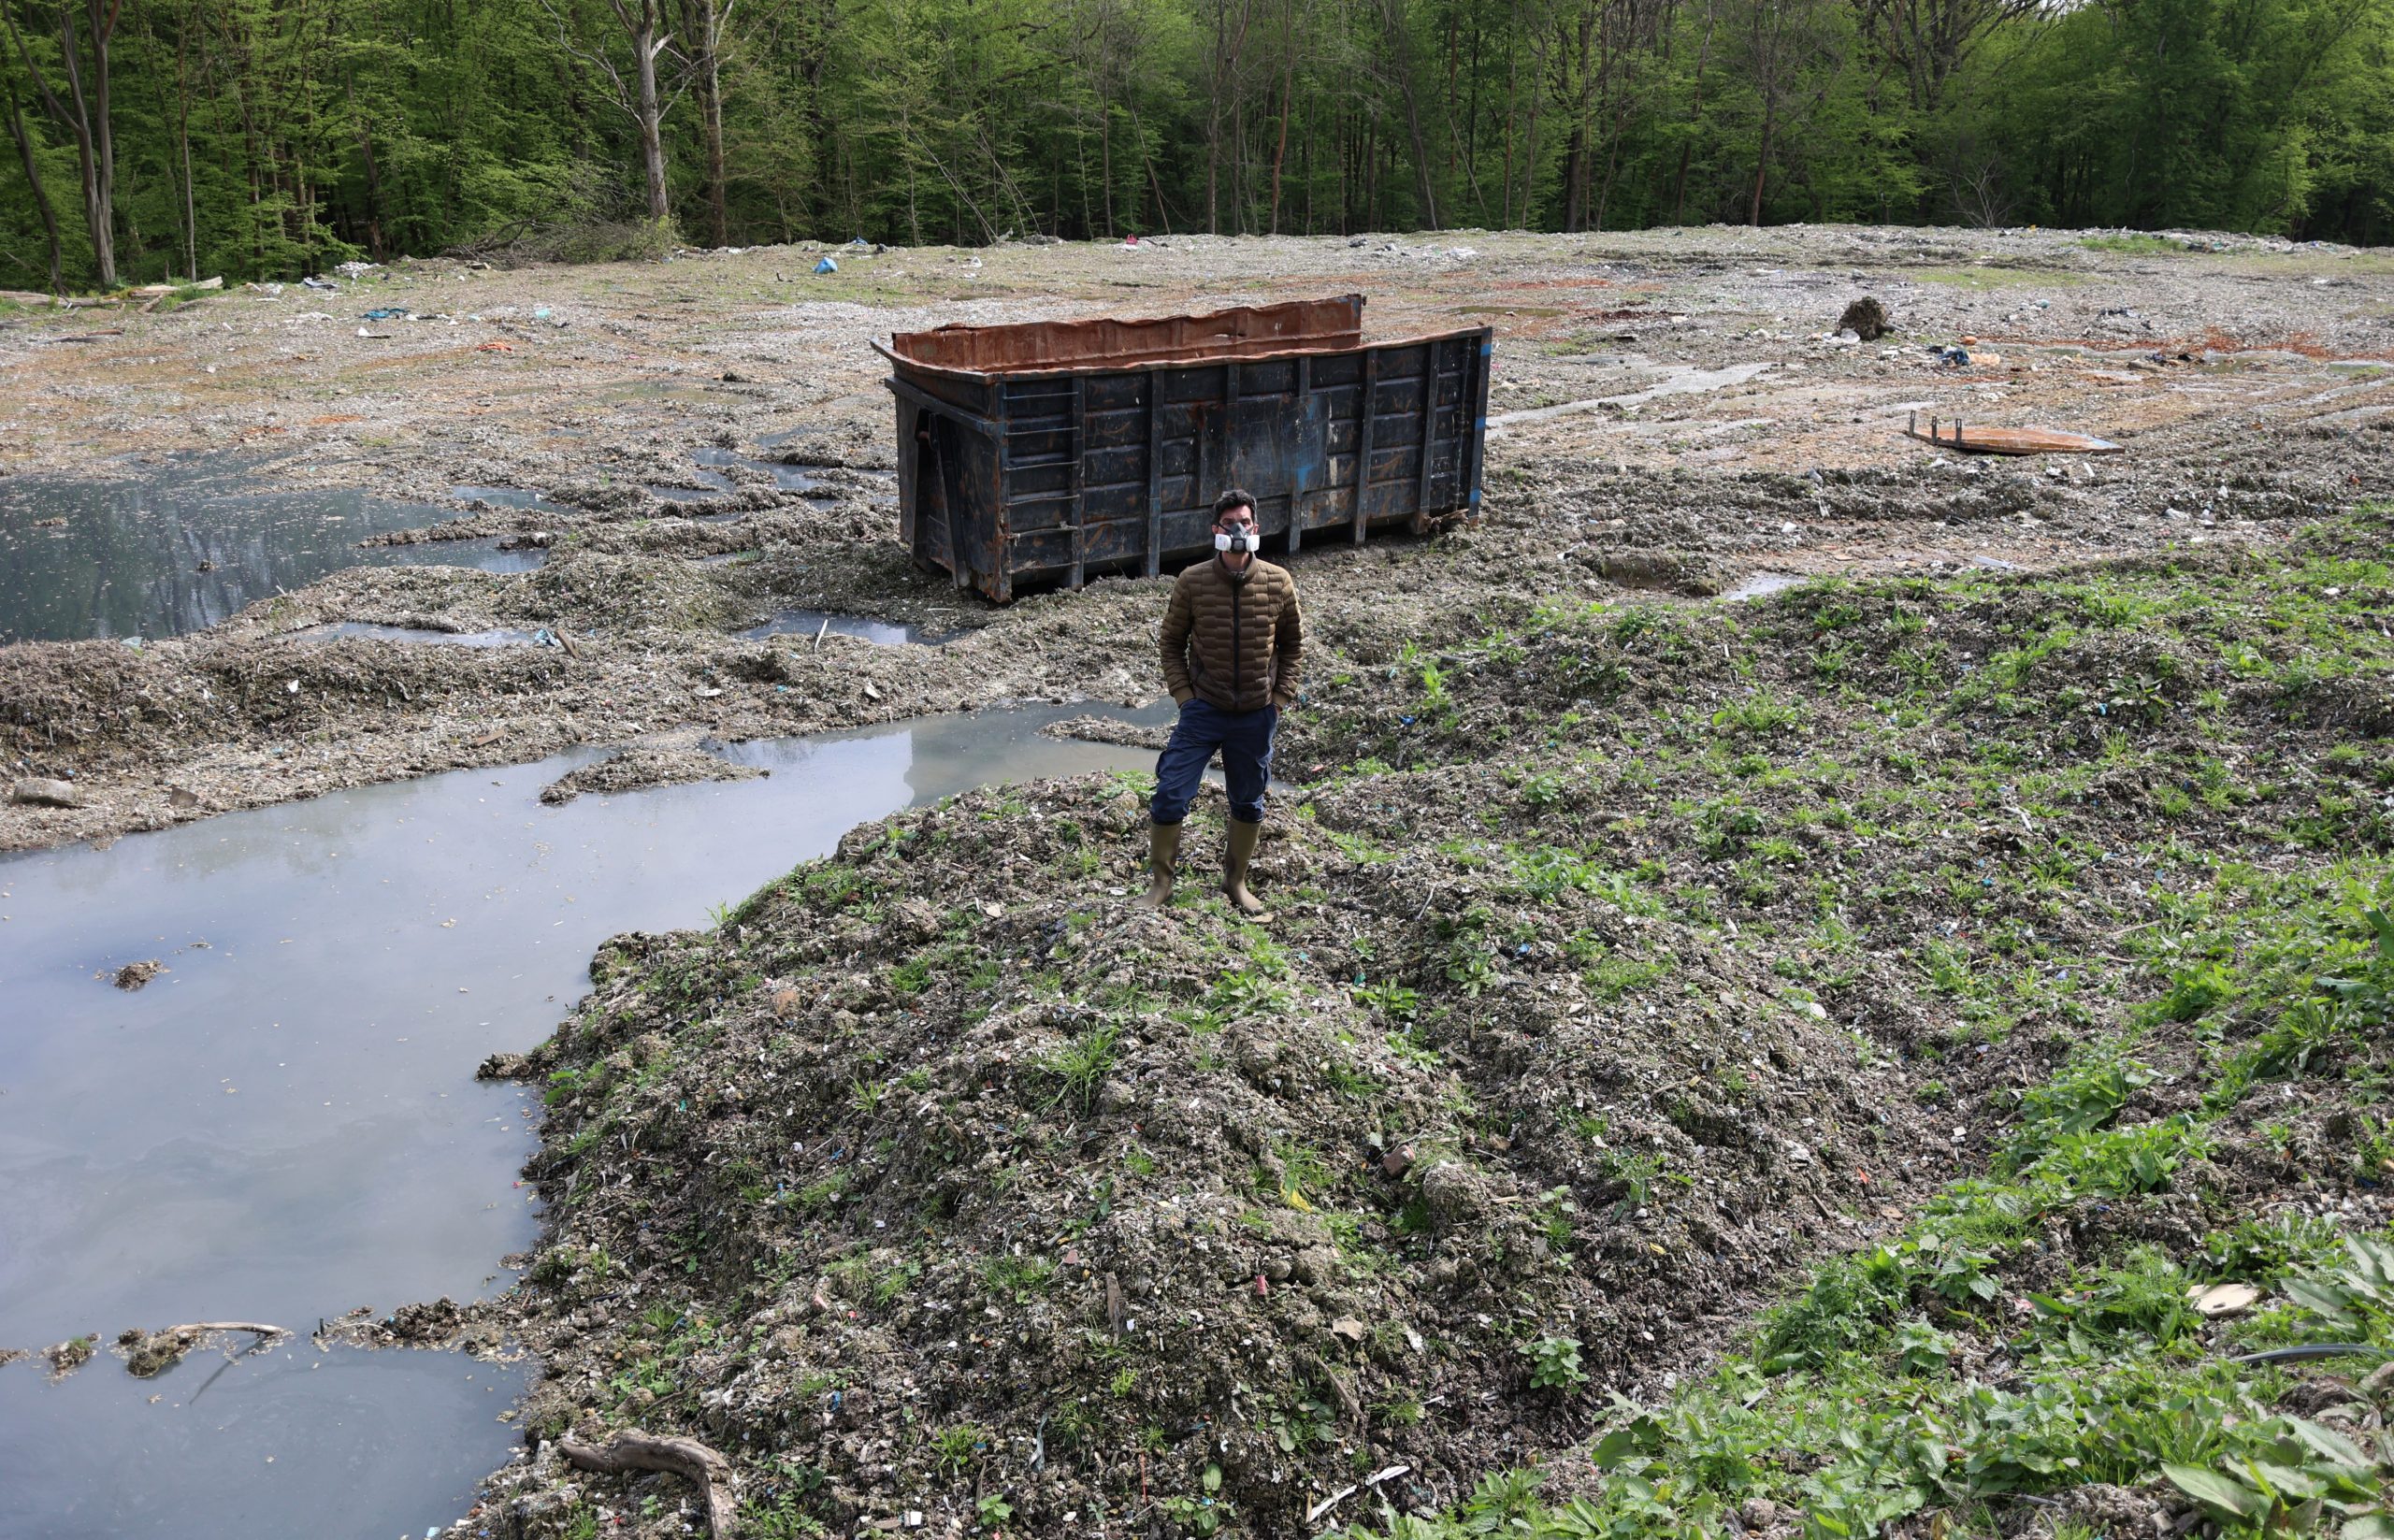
(827, 265)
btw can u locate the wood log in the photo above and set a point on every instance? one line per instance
(633, 1450)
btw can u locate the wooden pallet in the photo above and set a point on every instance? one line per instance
(2007, 441)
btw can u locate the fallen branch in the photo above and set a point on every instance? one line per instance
(634, 1450)
(153, 1353)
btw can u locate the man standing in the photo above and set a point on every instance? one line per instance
(1232, 642)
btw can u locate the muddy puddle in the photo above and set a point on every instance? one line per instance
(811, 623)
(1754, 586)
(178, 547)
(703, 484)
(283, 1125)
(506, 497)
(788, 478)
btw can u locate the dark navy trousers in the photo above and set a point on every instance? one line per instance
(1245, 740)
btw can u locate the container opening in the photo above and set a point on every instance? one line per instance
(1246, 332)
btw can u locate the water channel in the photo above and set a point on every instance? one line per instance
(285, 1125)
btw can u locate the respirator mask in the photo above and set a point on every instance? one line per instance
(1249, 540)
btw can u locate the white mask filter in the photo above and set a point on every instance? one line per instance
(1244, 539)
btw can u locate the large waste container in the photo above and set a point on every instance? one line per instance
(1057, 451)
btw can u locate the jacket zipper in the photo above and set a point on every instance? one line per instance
(1238, 669)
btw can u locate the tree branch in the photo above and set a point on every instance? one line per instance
(633, 1450)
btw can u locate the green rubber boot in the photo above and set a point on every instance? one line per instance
(1163, 854)
(1235, 856)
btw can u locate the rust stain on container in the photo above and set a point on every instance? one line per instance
(1055, 451)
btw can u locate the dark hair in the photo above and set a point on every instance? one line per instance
(1237, 496)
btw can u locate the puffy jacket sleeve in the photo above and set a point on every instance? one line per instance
(1177, 620)
(1288, 652)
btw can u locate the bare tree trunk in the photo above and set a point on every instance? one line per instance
(647, 45)
(703, 21)
(1762, 168)
(1163, 211)
(1694, 118)
(87, 119)
(1529, 150)
(1401, 46)
(18, 131)
(373, 177)
(1288, 89)
(182, 143)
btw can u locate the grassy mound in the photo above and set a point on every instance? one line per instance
(1632, 965)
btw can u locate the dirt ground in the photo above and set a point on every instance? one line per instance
(1670, 411)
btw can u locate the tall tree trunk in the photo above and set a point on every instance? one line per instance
(1401, 46)
(1694, 119)
(647, 45)
(87, 119)
(18, 131)
(1288, 89)
(1105, 160)
(1529, 150)
(702, 21)
(373, 175)
(182, 144)
(1762, 168)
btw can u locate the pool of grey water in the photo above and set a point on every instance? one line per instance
(179, 546)
(888, 633)
(285, 1125)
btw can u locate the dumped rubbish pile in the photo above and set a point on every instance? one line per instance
(951, 1177)
(935, 1174)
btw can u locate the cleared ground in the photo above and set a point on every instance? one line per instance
(1670, 411)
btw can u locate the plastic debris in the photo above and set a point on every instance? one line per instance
(2222, 1298)
(313, 282)
(386, 312)
(827, 265)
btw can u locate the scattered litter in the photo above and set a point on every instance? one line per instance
(312, 281)
(386, 314)
(827, 265)
(2222, 1298)
(363, 332)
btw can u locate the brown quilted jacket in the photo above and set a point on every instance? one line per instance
(1236, 641)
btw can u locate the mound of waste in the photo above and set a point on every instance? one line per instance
(936, 1172)
(1631, 956)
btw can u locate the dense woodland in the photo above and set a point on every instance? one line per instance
(262, 139)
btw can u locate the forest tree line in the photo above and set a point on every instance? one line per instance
(268, 138)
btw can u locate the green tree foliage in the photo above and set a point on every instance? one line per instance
(272, 138)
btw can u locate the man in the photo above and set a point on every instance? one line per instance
(1232, 642)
